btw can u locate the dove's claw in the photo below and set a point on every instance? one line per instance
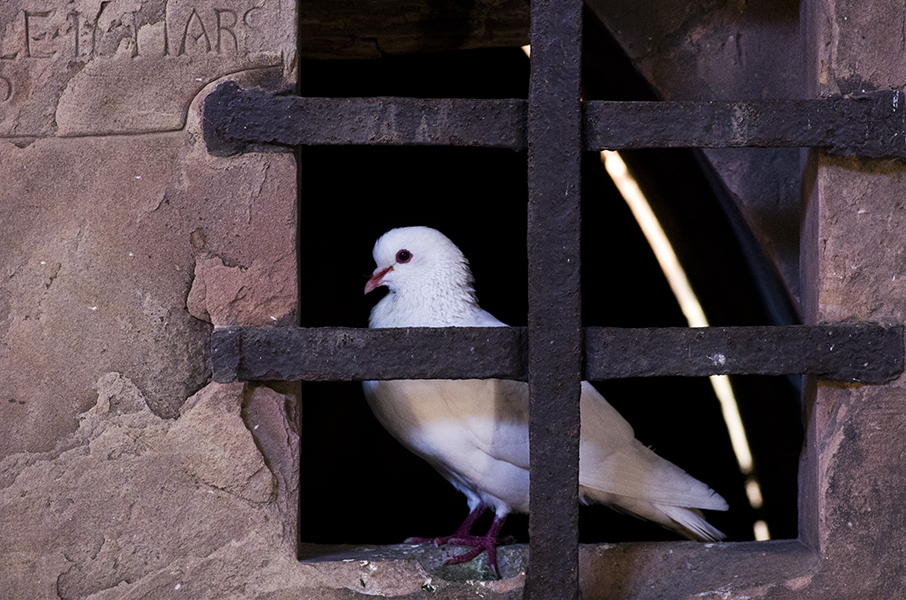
(477, 543)
(461, 533)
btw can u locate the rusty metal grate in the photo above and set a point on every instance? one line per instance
(553, 353)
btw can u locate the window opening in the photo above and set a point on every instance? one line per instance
(372, 190)
(388, 190)
(728, 271)
(885, 342)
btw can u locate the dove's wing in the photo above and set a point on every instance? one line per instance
(618, 470)
(614, 461)
(475, 433)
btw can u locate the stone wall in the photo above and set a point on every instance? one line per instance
(854, 238)
(124, 472)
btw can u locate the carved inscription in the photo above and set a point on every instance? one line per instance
(101, 67)
(36, 40)
(57, 33)
(226, 21)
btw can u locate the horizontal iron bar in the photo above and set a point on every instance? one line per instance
(240, 120)
(234, 117)
(866, 353)
(859, 352)
(872, 124)
(341, 354)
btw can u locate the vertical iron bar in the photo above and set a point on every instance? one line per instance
(554, 327)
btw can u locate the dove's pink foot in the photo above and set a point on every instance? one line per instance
(478, 543)
(464, 530)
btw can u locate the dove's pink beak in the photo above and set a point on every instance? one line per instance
(376, 279)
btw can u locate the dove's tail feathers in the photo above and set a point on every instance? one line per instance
(691, 524)
(687, 521)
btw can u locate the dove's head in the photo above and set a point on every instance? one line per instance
(427, 275)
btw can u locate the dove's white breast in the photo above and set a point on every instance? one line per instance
(472, 431)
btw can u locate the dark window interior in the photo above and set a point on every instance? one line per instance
(358, 484)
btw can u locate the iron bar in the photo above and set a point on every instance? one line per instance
(865, 353)
(340, 354)
(855, 353)
(554, 131)
(870, 125)
(235, 118)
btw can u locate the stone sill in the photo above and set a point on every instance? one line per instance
(629, 570)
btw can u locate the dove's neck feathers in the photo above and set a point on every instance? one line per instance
(442, 296)
(429, 281)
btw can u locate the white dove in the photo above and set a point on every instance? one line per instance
(475, 432)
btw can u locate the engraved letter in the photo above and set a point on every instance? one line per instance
(228, 27)
(203, 33)
(6, 89)
(29, 37)
(135, 32)
(75, 31)
(8, 56)
(250, 18)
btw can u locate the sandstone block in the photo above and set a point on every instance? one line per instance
(129, 494)
(101, 238)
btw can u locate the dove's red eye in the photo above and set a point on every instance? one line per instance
(403, 256)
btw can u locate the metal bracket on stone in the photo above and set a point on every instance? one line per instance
(871, 125)
(864, 353)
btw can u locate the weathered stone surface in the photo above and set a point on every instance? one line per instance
(853, 262)
(846, 60)
(134, 506)
(101, 236)
(128, 66)
(274, 420)
(861, 276)
(112, 484)
(101, 239)
(117, 498)
(265, 292)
